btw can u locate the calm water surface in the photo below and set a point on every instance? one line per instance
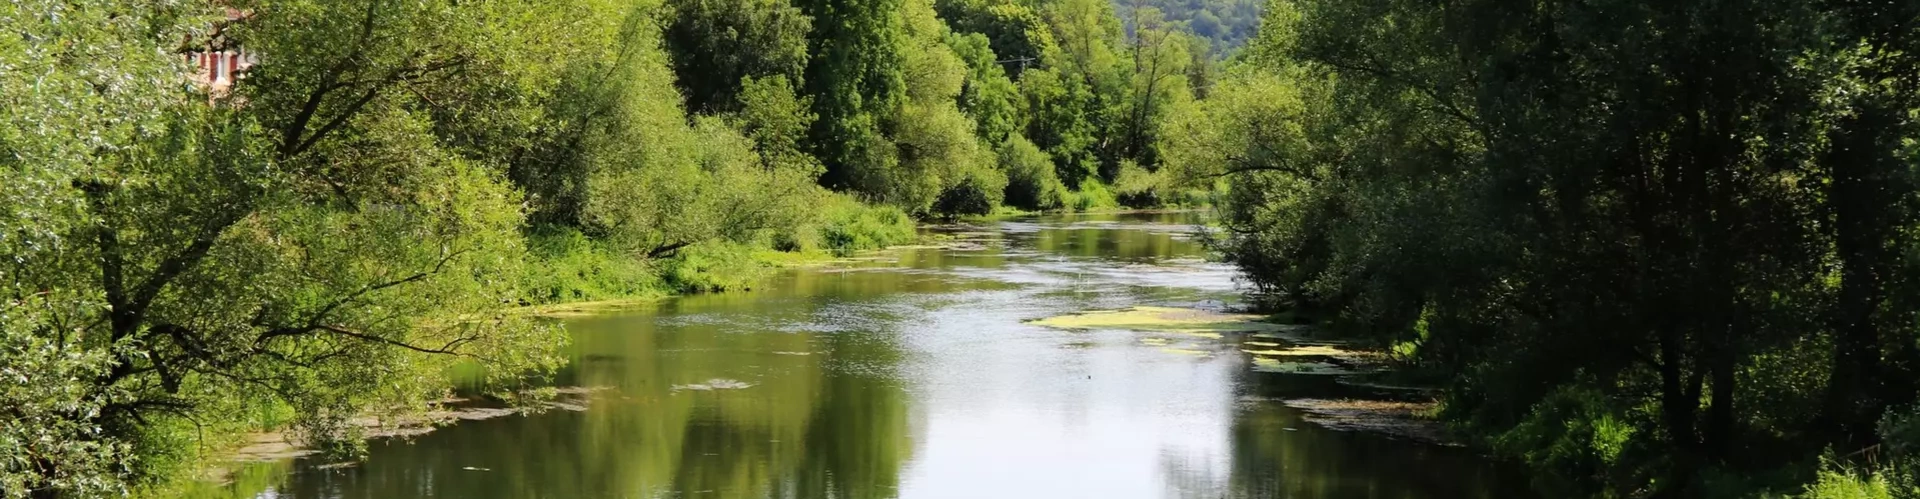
(914, 377)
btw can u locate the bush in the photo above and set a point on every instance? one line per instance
(1136, 187)
(569, 266)
(711, 268)
(46, 447)
(1093, 195)
(1835, 482)
(849, 226)
(1031, 182)
(1572, 437)
(977, 194)
(1191, 197)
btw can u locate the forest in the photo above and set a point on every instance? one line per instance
(1665, 249)
(1648, 249)
(374, 204)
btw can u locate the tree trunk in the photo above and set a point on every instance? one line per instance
(1678, 403)
(1862, 225)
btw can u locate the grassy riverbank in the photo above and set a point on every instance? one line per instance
(569, 266)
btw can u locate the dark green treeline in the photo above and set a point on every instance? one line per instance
(1650, 248)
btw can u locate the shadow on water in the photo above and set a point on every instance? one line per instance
(916, 376)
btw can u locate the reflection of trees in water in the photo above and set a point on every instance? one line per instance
(858, 438)
(831, 423)
(1122, 238)
(1268, 460)
(806, 429)
(1191, 477)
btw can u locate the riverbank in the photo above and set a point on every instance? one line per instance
(280, 445)
(250, 450)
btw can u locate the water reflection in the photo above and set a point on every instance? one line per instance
(916, 376)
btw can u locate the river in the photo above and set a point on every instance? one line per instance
(914, 375)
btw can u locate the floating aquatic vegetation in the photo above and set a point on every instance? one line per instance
(588, 308)
(1292, 334)
(1367, 382)
(715, 384)
(1164, 319)
(1214, 325)
(1399, 419)
(1266, 365)
(1315, 351)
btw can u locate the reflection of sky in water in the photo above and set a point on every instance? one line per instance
(1019, 415)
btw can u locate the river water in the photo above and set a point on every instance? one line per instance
(913, 375)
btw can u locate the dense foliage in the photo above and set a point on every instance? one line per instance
(1663, 248)
(1224, 25)
(359, 214)
(1667, 248)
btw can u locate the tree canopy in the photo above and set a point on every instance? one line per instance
(1643, 246)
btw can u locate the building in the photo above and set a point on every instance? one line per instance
(220, 63)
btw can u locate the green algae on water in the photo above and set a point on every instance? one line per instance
(1313, 351)
(1166, 320)
(1266, 365)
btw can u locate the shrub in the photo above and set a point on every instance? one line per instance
(1093, 195)
(1835, 482)
(711, 268)
(1572, 435)
(569, 266)
(1031, 182)
(977, 194)
(851, 226)
(1135, 186)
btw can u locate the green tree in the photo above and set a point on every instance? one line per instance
(1871, 200)
(716, 44)
(1159, 54)
(1057, 107)
(62, 116)
(1620, 246)
(310, 243)
(944, 168)
(854, 79)
(1014, 31)
(988, 96)
(622, 162)
(777, 121)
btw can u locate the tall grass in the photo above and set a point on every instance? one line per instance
(845, 225)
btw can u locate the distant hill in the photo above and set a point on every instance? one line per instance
(1227, 23)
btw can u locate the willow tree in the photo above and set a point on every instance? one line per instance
(307, 249)
(84, 80)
